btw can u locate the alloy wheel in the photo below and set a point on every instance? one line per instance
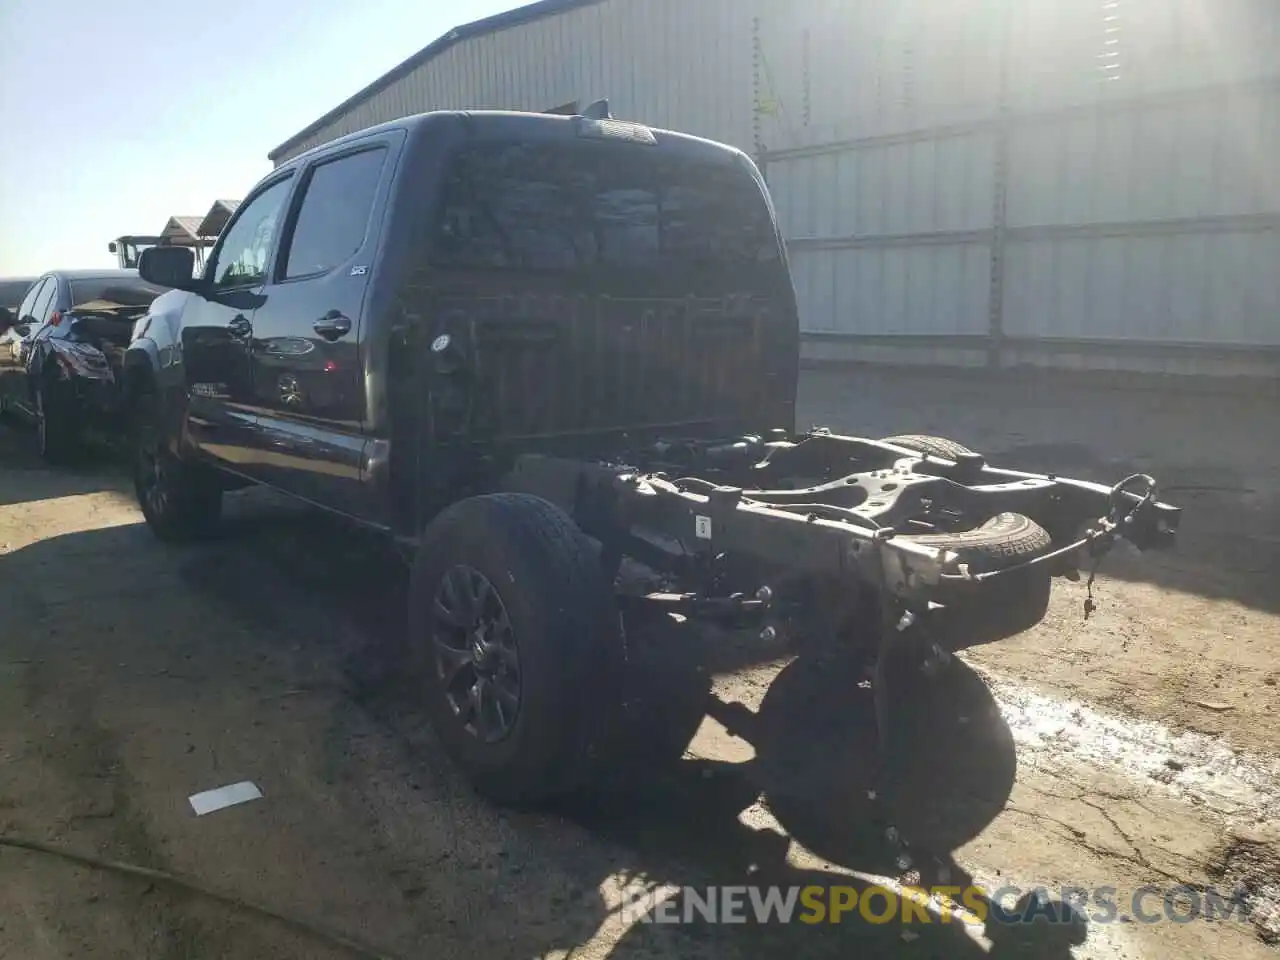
(476, 655)
(152, 474)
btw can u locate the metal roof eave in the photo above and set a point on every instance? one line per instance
(180, 231)
(500, 21)
(217, 217)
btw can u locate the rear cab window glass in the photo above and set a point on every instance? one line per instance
(334, 217)
(578, 204)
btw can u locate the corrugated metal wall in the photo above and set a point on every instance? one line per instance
(1057, 182)
(881, 168)
(1086, 183)
(681, 64)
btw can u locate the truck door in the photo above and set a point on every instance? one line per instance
(308, 385)
(217, 329)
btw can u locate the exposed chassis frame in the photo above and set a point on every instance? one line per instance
(848, 525)
(733, 538)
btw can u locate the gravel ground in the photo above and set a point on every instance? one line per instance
(1136, 748)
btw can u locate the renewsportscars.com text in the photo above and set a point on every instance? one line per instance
(916, 905)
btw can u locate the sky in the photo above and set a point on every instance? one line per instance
(114, 117)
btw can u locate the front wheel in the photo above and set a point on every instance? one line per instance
(180, 500)
(516, 642)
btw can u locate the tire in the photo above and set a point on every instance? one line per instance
(57, 423)
(1003, 541)
(1004, 606)
(996, 610)
(931, 446)
(561, 622)
(181, 501)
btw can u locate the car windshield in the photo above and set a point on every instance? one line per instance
(105, 293)
(12, 292)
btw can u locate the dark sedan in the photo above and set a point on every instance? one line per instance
(60, 360)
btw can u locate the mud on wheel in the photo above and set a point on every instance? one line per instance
(515, 640)
(180, 500)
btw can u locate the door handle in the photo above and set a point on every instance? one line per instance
(332, 326)
(240, 326)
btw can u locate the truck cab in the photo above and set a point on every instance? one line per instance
(379, 309)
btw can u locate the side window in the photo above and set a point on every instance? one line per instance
(241, 257)
(334, 217)
(45, 302)
(27, 310)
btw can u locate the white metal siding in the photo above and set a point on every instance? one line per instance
(876, 68)
(1151, 187)
(680, 64)
(1140, 186)
(1134, 202)
(873, 226)
(892, 207)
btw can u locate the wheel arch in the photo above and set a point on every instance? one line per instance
(139, 378)
(139, 372)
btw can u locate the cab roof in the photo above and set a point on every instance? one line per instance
(518, 125)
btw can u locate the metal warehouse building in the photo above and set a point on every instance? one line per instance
(1082, 183)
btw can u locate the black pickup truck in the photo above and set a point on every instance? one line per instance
(540, 350)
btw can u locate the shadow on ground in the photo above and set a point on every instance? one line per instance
(140, 623)
(692, 821)
(220, 621)
(27, 479)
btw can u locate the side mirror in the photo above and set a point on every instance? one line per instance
(168, 267)
(111, 247)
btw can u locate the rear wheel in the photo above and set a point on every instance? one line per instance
(180, 500)
(57, 421)
(516, 640)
